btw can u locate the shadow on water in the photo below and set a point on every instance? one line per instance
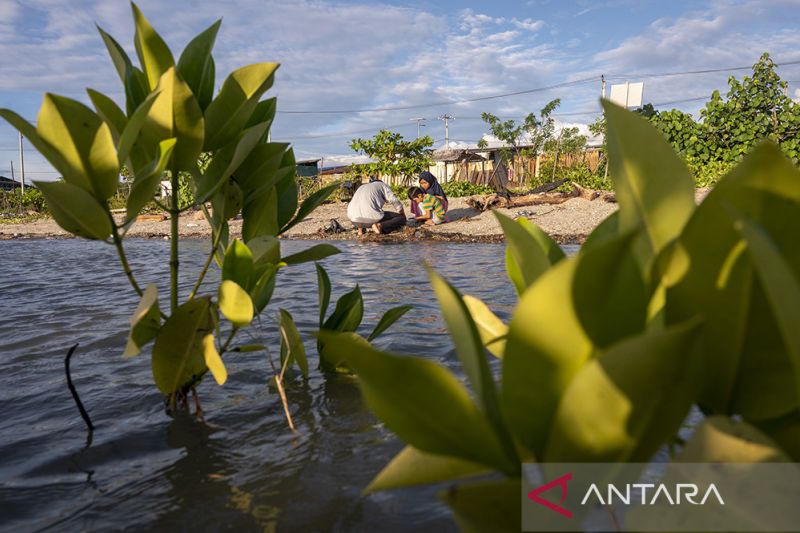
(241, 468)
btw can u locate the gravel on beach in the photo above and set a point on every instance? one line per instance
(568, 222)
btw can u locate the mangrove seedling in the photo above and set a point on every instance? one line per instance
(170, 121)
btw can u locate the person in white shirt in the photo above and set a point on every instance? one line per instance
(366, 211)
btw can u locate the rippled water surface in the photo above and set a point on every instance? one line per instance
(242, 468)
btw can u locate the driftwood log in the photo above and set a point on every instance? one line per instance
(539, 196)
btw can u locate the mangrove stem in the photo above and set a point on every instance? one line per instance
(173, 256)
(74, 392)
(214, 245)
(123, 259)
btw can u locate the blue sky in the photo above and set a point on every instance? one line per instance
(351, 55)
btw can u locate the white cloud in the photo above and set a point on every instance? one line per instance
(528, 24)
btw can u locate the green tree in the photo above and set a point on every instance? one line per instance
(527, 139)
(754, 109)
(394, 157)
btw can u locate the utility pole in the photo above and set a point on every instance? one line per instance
(420, 123)
(447, 118)
(22, 163)
(603, 85)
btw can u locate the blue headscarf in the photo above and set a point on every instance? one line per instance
(434, 189)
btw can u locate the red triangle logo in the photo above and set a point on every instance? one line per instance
(558, 482)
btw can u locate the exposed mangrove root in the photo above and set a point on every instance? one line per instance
(284, 401)
(198, 409)
(74, 392)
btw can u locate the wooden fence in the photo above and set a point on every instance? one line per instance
(482, 172)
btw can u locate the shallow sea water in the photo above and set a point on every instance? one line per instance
(242, 468)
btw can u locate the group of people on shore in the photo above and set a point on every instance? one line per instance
(428, 205)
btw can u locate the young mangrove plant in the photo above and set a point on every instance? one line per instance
(346, 318)
(667, 305)
(171, 118)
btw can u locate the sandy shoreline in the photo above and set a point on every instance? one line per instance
(568, 223)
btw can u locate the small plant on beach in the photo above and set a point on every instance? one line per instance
(174, 127)
(346, 318)
(457, 189)
(666, 306)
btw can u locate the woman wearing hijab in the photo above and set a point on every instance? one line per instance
(430, 185)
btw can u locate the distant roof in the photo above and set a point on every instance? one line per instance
(457, 154)
(308, 161)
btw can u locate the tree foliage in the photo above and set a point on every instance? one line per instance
(532, 134)
(393, 156)
(754, 109)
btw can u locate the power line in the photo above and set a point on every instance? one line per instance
(693, 72)
(529, 91)
(435, 104)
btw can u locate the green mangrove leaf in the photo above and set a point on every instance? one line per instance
(531, 250)
(471, 353)
(264, 287)
(145, 322)
(624, 404)
(290, 338)
(235, 303)
(485, 506)
(786, 432)
(154, 54)
(145, 185)
(260, 215)
(467, 341)
(412, 467)
(324, 292)
(178, 354)
(129, 145)
(228, 113)
(196, 66)
(213, 360)
(238, 265)
(348, 313)
(746, 368)
(609, 294)
(259, 171)
(264, 112)
(654, 189)
(389, 317)
(76, 210)
(315, 253)
(287, 191)
(309, 204)
(546, 347)
(176, 113)
(722, 440)
(110, 112)
(266, 249)
(51, 154)
(779, 283)
(492, 330)
(228, 201)
(133, 79)
(227, 160)
(85, 143)
(607, 229)
(422, 402)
